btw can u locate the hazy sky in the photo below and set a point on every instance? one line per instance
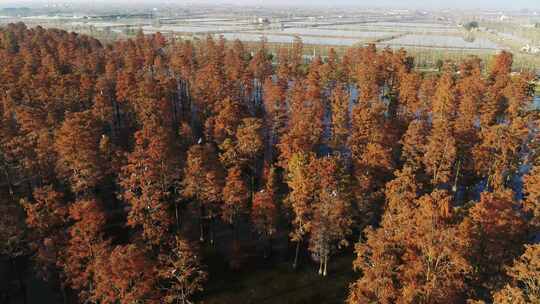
(411, 3)
(492, 4)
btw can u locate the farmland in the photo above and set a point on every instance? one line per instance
(430, 36)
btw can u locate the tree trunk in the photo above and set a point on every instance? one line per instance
(117, 121)
(201, 223)
(8, 180)
(211, 231)
(184, 300)
(325, 265)
(177, 218)
(201, 238)
(295, 263)
(454, 189)
(252, 185)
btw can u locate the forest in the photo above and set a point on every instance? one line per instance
(119, 161)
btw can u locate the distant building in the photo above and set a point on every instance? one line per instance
(530, 49)
(263, 20)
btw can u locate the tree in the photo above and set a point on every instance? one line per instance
(260, 68)
(440, 155)
(249, 138)
(470, 89)
(371, 147)
(284, 69)
(9, 42)
(209, 82)
(276, 113)
(501, 64)
(86, 243)
(332, 217)
(401, 194)
(419, 261)
(12, 241)
(330, 71)
(296, 57)
(235, 196)
(77, 144)
(203, 181)
(414, 143)
(235, 70)
(495, 104)
(181, 270)
(264, 210)
(105, 106)
(47, 217)
(379, 261)
(224, 124)
(497, 231)
(471, 25)
(13, 238)
(439, 254)
(497, 157)
(441, 146)
(340, 118)
(230, 156)
(519, 94)
(532, 191)
(409, 87)
(525, 274)
(320, 205)
(300, 198)
(126, 275)
(305, 127)
(368, 74)
(148, 179)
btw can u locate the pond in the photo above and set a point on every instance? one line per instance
(332, 33)
(193, 28)
(396, 27)
(290, 39)
(440, 41)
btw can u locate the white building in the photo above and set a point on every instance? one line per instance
(531, 49)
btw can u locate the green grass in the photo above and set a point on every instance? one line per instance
(277, 282)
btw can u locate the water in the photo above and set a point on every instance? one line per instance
(440, 41)
(290, 39)
(193, 29)
(412, 24)
(396, 27)
(250, 33)
(514, 37)
(332, 33)
(100, 24)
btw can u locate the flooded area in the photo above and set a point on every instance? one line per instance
(440, 41)
(394, 30)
